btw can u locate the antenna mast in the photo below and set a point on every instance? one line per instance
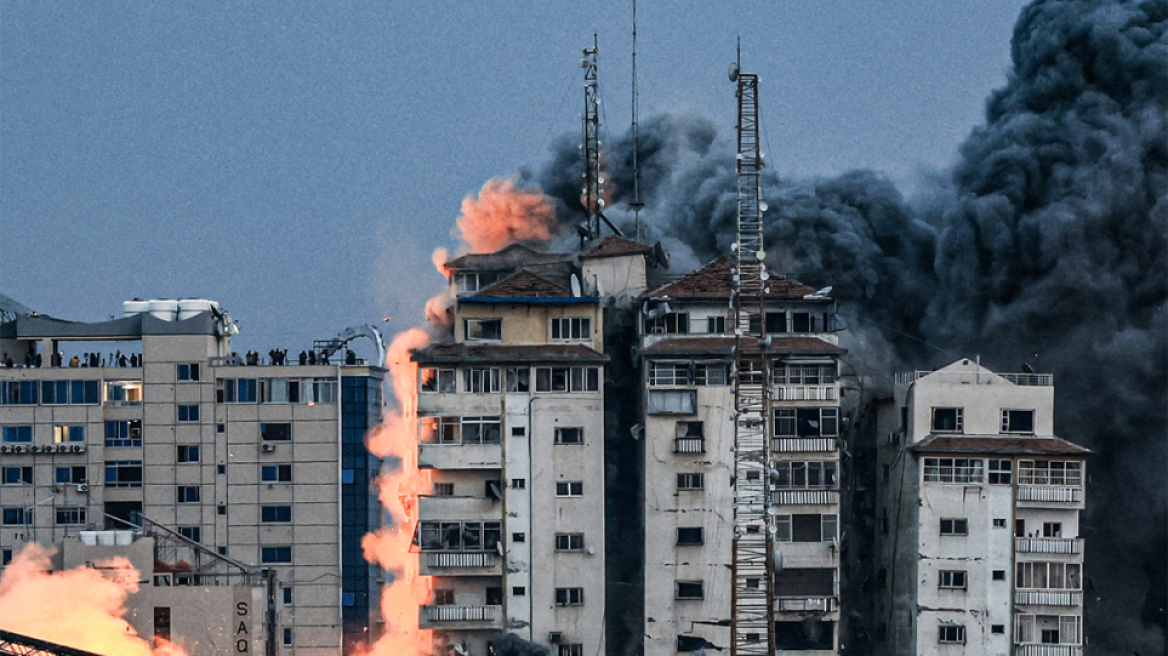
(593, 203)
(636, 204)
(753, 565)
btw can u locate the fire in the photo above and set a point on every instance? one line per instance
(79, 608)
(502, 215)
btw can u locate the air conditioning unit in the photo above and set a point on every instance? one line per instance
(268, 447)
(555, 637)
(83, 487)
(135, 433)
(78, 448)
(53, 448)
(5, 449)
(18, 449)
(34, 448)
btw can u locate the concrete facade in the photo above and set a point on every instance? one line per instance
(979, 517)
(254, 462)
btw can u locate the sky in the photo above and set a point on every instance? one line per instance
(299, 161)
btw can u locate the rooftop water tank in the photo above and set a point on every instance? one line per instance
(135, 306)
(189, 307)
(163, 308)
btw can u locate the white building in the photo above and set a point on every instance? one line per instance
(688, 477)
(979, 517)
(259, 463)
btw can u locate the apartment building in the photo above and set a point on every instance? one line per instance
(979, 517)
(257, 463)
(511, 414)
(687, 346)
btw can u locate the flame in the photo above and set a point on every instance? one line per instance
(79, 608)
(501, 215)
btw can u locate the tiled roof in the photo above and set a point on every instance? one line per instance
(1000, 444)
(511, 257)
(715, 281)
(680, 346)
(614, 246)
(524, 284)
(457, 353)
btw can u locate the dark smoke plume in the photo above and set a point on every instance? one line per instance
(1047, 243)
(512, 645)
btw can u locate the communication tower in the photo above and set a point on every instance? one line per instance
(592, 201)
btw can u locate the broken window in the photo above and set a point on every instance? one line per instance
(518, 379)
(806, 528)
(672, 402)
(459, 536)
(481, 430)
(480, 380)
(805, 582)
(483, 330)
(689, 590)
(443, 597)
(689, 536)
(470, 281)
(567, 379)
(806, 422)
(1017, 421)
(948, 420)
(808, 634)
(776, 322)
(569, 436)
(669, 324)
(440, 381)
(1052, 529)
(803, 475)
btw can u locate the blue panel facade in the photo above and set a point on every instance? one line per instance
(359, 412)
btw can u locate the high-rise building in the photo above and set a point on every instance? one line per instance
(979, 517)
(152, 420)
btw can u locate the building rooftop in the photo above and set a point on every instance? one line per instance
(524, 284)
(614, 246)
(30, 327)
(511, 257)
(714, 280)
(999, 444)
(455, 353)
(686, 346)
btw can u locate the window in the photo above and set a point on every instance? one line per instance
(1048, 575)
(482, 330)
(672, 402)
(689, 590)
(70, 475)
(954, 470)
(128, 392)
(806, 422)
(569, 436)
(481, 430)
(808, 527)
(689, 482)
(188, 413)
(804, 475)
(805, 374)
(276, 432)
(1050, 472)
(713, 375)
(18, 475)
(65, 392)
(188, 453)
(999, 471)
(519, 537)
(1052, 529)
(999, 522)
(669, 373)
(519, 483)
(569, 488)
(192, 533)
(952, 579)
(237, 390)
(998, 628)
(276, 473)
(287, 637)
(806, 582)
(188, 372)
(443, 490)
(123, 433)
(567, 379)
(17, 434)
(17, 516)
(62, 434)
(690, 536)
(459, 536)
(471, 281)
(18, 392)
(287, 595)
(569, 542)
(576, 328)
(569, 596)
(518, 379)
(189, 494)
(5, 557)
(123, 473)
(949, 420)
(519, 591)
(716, 325)
(1048, 629)
(440, 381)
(670, 323)
(1017, 421)
(479, 380)
(275, 514)
(954, 527)
(570, 650)
(951, 634)
(276, 554)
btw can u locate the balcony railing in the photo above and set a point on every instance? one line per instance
(1050, 493)
(689, 445)
(805, 497)
(806, 604)
(803, 444)
(805, 393)
(1022, 380)
(1048, 545)
(1048, 598)
(435, 614)
(1048, 650)
(460, 560)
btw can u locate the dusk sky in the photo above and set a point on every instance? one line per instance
(299, 161)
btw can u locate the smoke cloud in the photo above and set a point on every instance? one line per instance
(1045, 244)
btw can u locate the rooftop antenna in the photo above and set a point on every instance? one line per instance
(636, 204)
(593, 203)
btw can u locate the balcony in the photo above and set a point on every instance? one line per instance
(689, 445)
(464, 618)
(460, 563)
(805, 497)
(1048, 598)
(806, 604)
(460, 456)
(1048, 650)
(804, 445)
(472, 508)
(1048, 545)
(1050, 493)
(805, 393)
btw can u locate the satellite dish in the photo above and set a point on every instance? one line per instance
(575, 286)
(762, 206)
(778, 561)
(499, 548)
(498, 494)
(733, 72)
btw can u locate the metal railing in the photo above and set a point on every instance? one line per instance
(806, 604)
(805, 393)
(1022, 380)
(1048, 598)
(689, 445)
(1048, 650)
(461, 613)
(1050, 494)
(459, 560)
(803, 444)
(1048, 545)
(805, 497)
